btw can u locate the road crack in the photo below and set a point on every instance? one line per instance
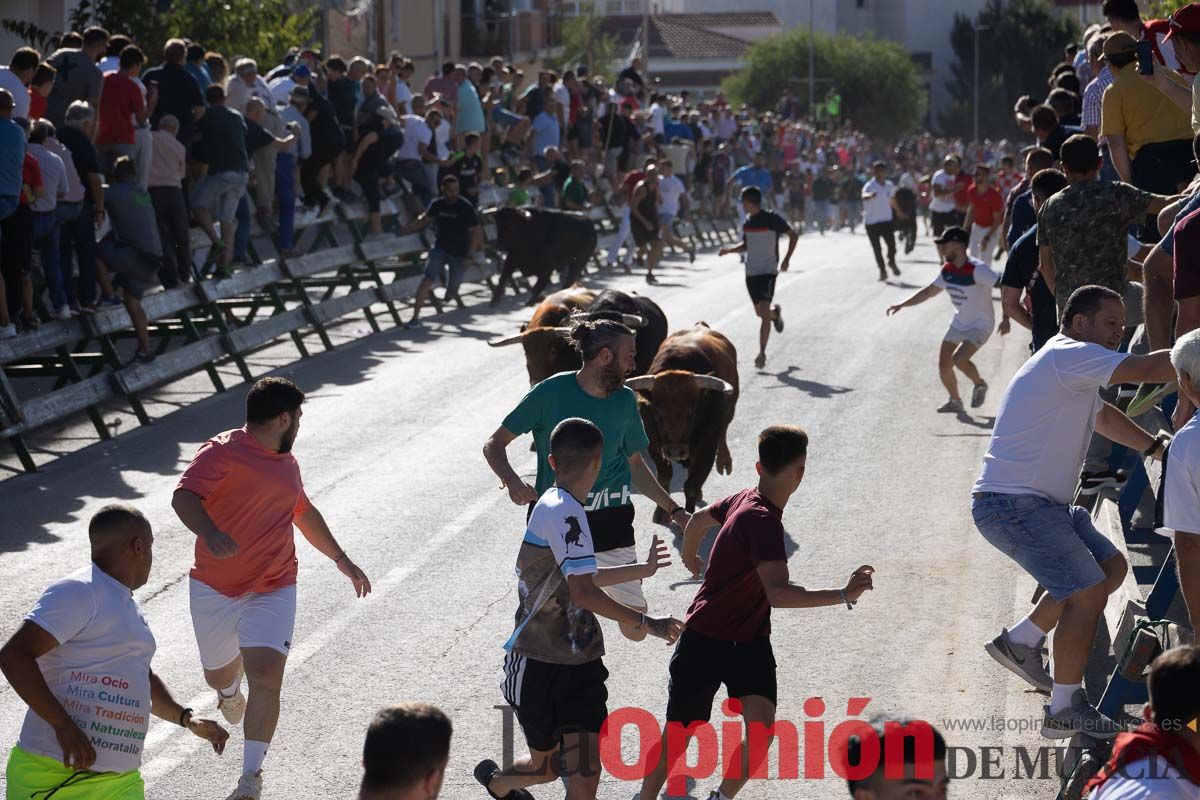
(473, 623)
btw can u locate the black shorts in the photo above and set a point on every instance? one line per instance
(644, 236)
(761, 288)
(797, 200)
(553, 699)
(611, 527)
(701, 664)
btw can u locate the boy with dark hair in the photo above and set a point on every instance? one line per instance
(760, 243)
(1161, 758)
(1021, 273)
(405, 753)
(728, 625)
(923, 756)
(553, 672)
(468, 168)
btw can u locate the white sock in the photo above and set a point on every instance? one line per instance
(231, 689)
(253, 755)
(1026, 633)
(1060, 695)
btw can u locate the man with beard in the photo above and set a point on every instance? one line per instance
(240, 496)
(596, 393)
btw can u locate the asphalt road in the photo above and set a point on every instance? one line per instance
(390, 452)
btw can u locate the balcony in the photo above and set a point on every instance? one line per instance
(520, 36)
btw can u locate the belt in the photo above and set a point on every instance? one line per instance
(982, 495)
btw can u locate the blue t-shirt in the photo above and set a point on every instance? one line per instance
(12, 158)
(1023, 217)
(545, 133)
(677, 130)
(468, 111)
(752, 176)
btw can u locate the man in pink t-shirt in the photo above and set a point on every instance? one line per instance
(241, 495)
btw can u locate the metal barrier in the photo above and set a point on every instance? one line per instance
(223, 319)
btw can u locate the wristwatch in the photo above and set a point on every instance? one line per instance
(1160, 443)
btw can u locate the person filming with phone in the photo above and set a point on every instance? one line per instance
(1149, 136)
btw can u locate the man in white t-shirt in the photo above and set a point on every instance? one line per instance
(1022, 500)
(672, 198)
(81, 662)
(969, 284)
(1161, 759)
(1181, 488)
(942, 209)
(879, 212)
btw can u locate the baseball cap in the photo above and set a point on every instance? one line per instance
(301, 71)
(1186, 19)
(1119, 43)
(953, 234)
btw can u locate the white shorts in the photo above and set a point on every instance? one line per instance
(628, 593)
(225, 625)
(975, 336)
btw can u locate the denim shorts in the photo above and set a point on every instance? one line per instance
(1167, 245)
(1057, 544)
(220, 193)
(435, 269)
(505, 118)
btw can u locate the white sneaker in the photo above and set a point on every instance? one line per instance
(232, 708)
(8, 331)
(249, 787)
(63, 313)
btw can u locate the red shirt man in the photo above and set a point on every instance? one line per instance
(120, 100)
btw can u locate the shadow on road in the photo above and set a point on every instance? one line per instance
(820, 391)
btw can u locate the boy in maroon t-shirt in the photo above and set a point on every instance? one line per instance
(726, 637)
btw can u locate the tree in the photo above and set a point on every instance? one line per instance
(260, 29)
(877, 80)
(1161, 9)
(585, 42)
(1020, 41)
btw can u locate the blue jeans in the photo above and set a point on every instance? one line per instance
(79, 238)
(435, 270)
(46, 229)
(241, 236)
(57, 267)
(285, 195)
(821, 212)
(414, 172)
(548, 194)
(1055, 543)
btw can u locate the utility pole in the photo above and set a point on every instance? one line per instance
(812, 59)
(645, 39)
(975, 101)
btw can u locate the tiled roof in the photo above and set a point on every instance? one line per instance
(688, 36)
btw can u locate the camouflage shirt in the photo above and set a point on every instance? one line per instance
(557, 544)
(1086, 227)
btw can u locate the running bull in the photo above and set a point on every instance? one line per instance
(548, 349)
(539, 241)
(687, 399)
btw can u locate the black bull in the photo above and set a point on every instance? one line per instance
(539, 241)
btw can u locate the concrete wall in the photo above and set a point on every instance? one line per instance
(50, 15)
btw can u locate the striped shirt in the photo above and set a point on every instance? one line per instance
(761, 235)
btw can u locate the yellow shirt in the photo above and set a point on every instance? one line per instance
(1143, 115)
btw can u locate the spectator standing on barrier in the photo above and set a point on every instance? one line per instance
(195, 66)
(79, 237)
(131, 255)
(39, 90)
(270, 144)
(1149, 137)
(1050, 133)
(1021, 273)
(727, 634)
(760, 244)
(168, 167)
(1022, 500)
(1019, 215)
(326, 141)
(1124, 16)
(984, 214)
(1181, 488)
(45, 229)
(405, 753)
(16, 237)
(16, 78)
(881, 208)
(179, 94)
(85, 629)
(459, 233)
(377, 142)
(60, 284)
(222, 149)
(241, 495)
(78, 77)
(412, 156)
(246, 83)
(122, 108)
(468, 168)
(1161, 758)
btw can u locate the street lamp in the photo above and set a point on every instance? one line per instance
(812, 59)
(975, 102)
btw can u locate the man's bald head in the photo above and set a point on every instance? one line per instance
(121, 540)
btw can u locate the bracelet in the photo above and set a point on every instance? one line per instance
(1160, 442)
(842, 594)
(185, 717)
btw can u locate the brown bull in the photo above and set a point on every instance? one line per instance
(548, 350)
(687, 400)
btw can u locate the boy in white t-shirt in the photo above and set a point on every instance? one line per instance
(672, 199)
(969, 283)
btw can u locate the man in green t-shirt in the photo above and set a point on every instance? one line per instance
(597, 392)
(574, 191)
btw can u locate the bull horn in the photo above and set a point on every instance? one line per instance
(714, 383)
(640, 383)
(506, 341)
(633, 320)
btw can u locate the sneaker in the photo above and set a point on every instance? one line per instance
(951, 407)
(143, 358)
(232, 708)
(1022, 661)
(760, 360)
(1095, 482)
(651, 279)
(1147, 397)
(777, 321)
(110, 301)
(63, 313)
(413, 324)
(484, 772)
(249, 787)
(1081, 717)
(8, 331)
(978, 394)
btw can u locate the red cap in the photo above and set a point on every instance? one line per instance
(1186, 19)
